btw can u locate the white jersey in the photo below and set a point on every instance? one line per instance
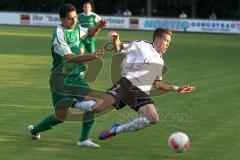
(142, 64)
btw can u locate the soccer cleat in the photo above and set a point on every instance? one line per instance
(109, 132)
(87, 143)
(34, 137)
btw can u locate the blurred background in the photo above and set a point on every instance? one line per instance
(223, 9)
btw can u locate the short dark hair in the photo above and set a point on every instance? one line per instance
(65, 9)
(87, 3)
(160, 32)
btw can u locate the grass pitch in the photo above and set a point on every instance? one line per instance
(210, 116)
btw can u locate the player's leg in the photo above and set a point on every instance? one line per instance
(61, 103)
(47, 123)
(85, 103)
(61, 111)
(140, 102)
(90, 106)
(148, 116)
(87, 122)
(98, 105)
(105, 105)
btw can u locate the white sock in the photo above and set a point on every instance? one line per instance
(135, 125)
(85, 105)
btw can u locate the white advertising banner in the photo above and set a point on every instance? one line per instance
(29, 19)
(172, 24)
(182, 25)
(44, 19)
(190, 25)
(9, 18)
(215, 26)
(117, 22)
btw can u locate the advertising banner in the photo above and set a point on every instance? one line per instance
(214, 26)
(9, 18)
(136, 23)
(117, 22)
(172, 24)
(190, 25)
(44, 19)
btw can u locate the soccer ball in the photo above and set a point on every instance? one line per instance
(179, 142)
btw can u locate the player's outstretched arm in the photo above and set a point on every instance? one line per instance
(100, 25)
(116, 40)
(70, 58)
(168, 87)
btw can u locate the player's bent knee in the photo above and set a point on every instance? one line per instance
(104, 104)
(99, 102)
(154, 119)
(61, 115)
(98, 109)
(60, 119)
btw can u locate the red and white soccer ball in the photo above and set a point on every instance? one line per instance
(179, 142)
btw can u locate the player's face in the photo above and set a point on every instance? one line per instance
(162, 44)
(70, 20)
(87, 8)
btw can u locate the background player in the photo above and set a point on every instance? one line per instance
(88, 19)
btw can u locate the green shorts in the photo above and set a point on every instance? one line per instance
(89, 44)
(66, 91)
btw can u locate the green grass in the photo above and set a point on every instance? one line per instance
(208, 61)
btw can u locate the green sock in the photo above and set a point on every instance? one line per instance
(88, 120)
(47, 123)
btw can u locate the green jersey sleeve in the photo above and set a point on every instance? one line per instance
(60, 45)
(97, 18)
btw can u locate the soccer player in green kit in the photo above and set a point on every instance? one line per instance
(68, 88)
(88, 19)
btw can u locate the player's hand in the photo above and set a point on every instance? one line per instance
(186, 89)
(113, 35)
(98, 54)
(102, 23)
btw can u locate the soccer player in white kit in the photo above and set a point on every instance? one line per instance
(141, 70)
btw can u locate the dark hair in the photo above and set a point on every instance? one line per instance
(160, 32)
(65, 9)
(87, 3)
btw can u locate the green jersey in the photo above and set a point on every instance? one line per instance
(66, 41)
(88, 20)
(66, 82)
